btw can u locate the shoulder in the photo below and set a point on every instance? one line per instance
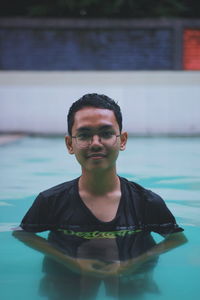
(56, 197)
(59, 189)
(151, 209)
(147, 195)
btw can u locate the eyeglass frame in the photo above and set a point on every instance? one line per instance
(92, 136)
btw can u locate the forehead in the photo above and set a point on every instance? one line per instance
(94, 117)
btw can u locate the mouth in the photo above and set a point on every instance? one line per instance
(96, 156)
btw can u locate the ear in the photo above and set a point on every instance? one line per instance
(123, 141)
(68, 142)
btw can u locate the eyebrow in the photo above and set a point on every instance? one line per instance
(86, 128)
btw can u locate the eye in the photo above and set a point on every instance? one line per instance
(84, 136)
(106, 134)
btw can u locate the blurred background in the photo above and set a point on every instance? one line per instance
(144, 54)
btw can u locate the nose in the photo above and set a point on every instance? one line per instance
(96, 140)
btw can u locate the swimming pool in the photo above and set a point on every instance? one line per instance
(168, 166)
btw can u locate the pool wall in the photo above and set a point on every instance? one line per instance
(152, 102)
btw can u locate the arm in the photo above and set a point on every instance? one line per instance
(42, 245)
(170, 242)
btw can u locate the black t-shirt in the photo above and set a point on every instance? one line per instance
(60, 208)
(74, 230)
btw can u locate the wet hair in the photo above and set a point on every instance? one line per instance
(94, 100)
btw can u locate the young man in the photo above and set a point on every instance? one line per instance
(99, 206)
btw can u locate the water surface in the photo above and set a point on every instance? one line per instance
(168, 166)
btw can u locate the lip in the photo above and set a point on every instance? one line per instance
(96, 156)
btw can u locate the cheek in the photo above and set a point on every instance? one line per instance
(80, 155)
(114, 152)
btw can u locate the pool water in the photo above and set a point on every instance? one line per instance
(168, 166)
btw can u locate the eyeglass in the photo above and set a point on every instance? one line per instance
(105, 138)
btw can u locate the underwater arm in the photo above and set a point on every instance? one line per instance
(170, 242)
(40, 244)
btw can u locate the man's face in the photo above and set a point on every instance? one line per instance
(95, 122)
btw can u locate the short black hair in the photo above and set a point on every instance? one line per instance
(94, 100)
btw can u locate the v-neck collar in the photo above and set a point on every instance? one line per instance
(89, 212)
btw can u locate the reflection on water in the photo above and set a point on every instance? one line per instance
(26, 274)
(104, 254)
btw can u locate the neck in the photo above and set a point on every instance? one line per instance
(99, 183)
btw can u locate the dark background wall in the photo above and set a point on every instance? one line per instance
(66, 44)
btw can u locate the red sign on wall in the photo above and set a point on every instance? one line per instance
(191, 49)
